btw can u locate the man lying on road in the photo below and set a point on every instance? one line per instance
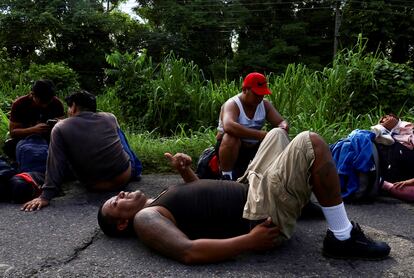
(205, 221)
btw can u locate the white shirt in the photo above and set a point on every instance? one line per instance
(257, 122)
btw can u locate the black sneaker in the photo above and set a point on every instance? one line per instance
(358, 246)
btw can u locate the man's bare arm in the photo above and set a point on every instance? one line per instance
(182, 163)
(232, 127)
(274, 117)
(18, 131)
(161, 234)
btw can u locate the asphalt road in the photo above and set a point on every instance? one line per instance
(63, 240)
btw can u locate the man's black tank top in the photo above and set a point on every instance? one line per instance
(207, 208)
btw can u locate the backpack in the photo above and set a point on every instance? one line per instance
(31, 154)
(358, 166)
(6, 172)
(207, 165)
(396, 162)
(369, 182)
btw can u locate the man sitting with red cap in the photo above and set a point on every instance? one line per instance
(241, 120)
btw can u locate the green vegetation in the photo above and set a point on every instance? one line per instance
(166, 76)
(225, 39)
(333, 102)
(151, 148)
(4, 126)
(170, 107)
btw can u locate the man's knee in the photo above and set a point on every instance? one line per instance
(277, 132)
(319, 145)
(229, 141)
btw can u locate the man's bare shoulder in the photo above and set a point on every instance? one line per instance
(230, 105)
(149, 216)
(267, 102)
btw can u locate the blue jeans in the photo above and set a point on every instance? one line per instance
(136, 165)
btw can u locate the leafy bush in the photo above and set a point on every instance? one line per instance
(395, 86)
(15, 80)
(8, 93)
(131, 74)
(372, 81)
(11, 80)
(64, 77)
(11, 70)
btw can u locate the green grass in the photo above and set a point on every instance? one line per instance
(150, 148)
(4, 127)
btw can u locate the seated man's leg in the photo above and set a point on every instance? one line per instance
(246, 155)
(228, 153)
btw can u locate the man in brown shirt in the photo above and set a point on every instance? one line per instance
(29, 114)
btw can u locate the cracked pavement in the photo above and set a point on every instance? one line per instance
(63, 240)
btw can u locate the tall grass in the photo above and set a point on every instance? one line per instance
(8, 93)
(170, 107)
(4, 127)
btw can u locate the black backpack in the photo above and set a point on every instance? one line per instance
(207, 165)
(6, 172)
(369, 182)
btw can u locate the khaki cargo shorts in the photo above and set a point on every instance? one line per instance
(278, 179)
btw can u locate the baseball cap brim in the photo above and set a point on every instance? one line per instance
(261, 91)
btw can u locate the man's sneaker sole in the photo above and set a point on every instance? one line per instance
(327, 255)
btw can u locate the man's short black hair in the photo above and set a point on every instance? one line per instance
(108, 225)
(84, 99)
(44, 90)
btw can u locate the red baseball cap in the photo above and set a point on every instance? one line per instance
(257, 83)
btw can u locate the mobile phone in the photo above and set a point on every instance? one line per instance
(51, 122)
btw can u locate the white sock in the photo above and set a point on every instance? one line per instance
(229, 173)
(338, 221)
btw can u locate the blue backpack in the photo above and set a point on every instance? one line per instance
(31, 154)
(357, 162)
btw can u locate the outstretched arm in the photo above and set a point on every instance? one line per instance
(55, 172)
(401, 184)
(159, 232)
(182, 163)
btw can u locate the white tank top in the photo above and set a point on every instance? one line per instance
(256, 122)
